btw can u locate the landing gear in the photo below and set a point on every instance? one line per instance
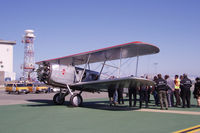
(59, 98)
(76, 100)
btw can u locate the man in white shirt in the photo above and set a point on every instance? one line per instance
(170, 92)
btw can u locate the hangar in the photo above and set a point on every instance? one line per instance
(6, 61)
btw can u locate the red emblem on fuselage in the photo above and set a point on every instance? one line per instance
(63, 72)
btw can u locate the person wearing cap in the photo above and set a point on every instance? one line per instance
(196, 91)
(162, 88)
(186, 84)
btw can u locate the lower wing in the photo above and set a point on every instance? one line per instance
(104, 85)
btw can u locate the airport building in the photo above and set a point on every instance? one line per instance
(6, 61)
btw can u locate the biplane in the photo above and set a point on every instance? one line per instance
(65, 73)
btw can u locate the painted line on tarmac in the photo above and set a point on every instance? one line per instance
(170, 111)
(194, 129)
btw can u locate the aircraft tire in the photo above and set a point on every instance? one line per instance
(76, 100)
(57, 100)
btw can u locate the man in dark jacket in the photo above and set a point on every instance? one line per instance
(155, 91)
(196, 91)
(143, 91)
(132, 91)
(161, 86)
(186, 84)
(120, 92)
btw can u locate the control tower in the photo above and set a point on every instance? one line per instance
(29, 60)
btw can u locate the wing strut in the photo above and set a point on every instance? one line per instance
(102, 68)
(85, 67)
(70, 91)
(120, 61)
(136, 71)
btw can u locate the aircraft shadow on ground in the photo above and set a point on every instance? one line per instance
(40, 102)
(99, 105)
(103, 105)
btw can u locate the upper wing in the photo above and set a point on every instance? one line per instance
(103, 85)
(127, 50)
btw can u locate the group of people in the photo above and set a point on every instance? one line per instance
(167, 88)
(164, 90)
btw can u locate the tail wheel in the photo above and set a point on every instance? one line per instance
(76, 100)
(59, 99)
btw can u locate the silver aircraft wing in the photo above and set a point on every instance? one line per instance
(103, 85)
(126, 50)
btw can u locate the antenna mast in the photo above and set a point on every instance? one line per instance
(29, 60)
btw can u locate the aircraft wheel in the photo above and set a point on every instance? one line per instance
(58, 100)
(76, 100)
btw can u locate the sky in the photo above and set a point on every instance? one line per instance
(65, 27)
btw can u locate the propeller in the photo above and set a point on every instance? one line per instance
(43, 72)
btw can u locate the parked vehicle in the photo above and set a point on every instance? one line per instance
(17, 88)
(37, 88)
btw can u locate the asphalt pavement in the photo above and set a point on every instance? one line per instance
(36, 113)
(11, 99)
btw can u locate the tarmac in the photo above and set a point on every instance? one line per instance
(11, 99)
(36, 113)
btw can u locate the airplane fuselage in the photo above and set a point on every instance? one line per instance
(59, 75)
